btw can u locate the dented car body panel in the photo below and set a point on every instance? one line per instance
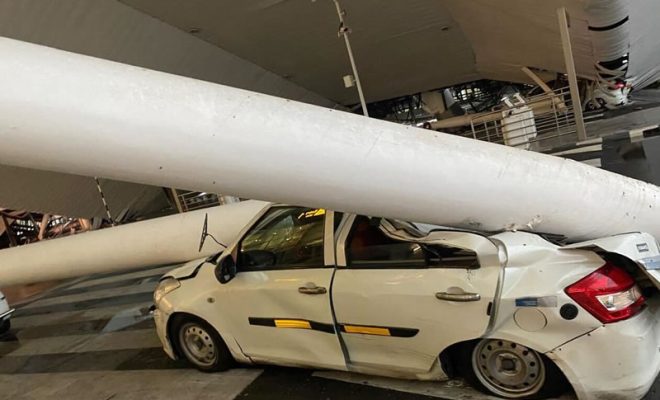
(615, 361)
(350, 305)
(394, 292)
(533, 292)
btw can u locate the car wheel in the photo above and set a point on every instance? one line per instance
(511, 371)
(5, 326)
(202, 346)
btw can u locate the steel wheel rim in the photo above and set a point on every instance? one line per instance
(197, 344)
(508, 369)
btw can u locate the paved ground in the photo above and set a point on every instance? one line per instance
(94, 339)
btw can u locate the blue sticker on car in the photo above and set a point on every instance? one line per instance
(545, 301)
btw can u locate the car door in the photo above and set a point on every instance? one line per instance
(400, 300)
(279, 309)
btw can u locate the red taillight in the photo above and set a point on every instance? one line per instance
(609, 294)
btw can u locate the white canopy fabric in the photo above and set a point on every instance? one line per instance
(404, 47)
(290, 48)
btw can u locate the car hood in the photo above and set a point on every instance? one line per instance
(187, 270)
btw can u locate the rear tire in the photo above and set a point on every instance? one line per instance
(510, 370)
(201, 345)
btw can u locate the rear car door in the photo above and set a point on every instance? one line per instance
(400, 302)
(280, 307)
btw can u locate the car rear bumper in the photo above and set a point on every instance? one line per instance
(160, 320)
(615, 361)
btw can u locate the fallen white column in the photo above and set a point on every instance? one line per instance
(66, 112)
(158, 241)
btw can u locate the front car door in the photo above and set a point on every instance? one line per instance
(279, 308)
(402, 296)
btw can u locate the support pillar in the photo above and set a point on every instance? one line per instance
(177, 201)
(42, 227)
(344, 31)
(572, 75)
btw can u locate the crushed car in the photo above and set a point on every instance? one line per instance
(518, 315)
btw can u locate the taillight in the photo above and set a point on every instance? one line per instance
(609, 294)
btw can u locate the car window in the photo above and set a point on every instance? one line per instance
(285, 237)
(368, 247)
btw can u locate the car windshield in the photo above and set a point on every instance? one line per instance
(292, 235)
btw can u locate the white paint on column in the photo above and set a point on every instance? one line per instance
(133, 124)
(155, 242)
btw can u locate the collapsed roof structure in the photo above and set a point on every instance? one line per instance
(448, 43)
(290, 49)
(161, 129)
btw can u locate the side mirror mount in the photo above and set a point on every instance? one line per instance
(226, 270)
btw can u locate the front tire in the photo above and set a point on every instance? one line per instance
(510, 370)
(202, 346)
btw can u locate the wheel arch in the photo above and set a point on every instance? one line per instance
(451, 353)
(230, 342)
(453, 364)
(172, 322)
(450, 357)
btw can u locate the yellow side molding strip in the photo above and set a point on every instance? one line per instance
(292, 323)
(367, 330)
(390, 331)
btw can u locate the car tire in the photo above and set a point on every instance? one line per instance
(5, 326)
(510, 370)
(201, 345)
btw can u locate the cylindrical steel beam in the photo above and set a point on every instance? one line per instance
(158, 241)
(133, 124)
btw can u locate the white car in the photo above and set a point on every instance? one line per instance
(5, 314)
(513, 313)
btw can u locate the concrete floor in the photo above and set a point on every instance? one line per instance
(94, 339)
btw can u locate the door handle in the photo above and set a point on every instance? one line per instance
(460, 297)
(312, 290)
